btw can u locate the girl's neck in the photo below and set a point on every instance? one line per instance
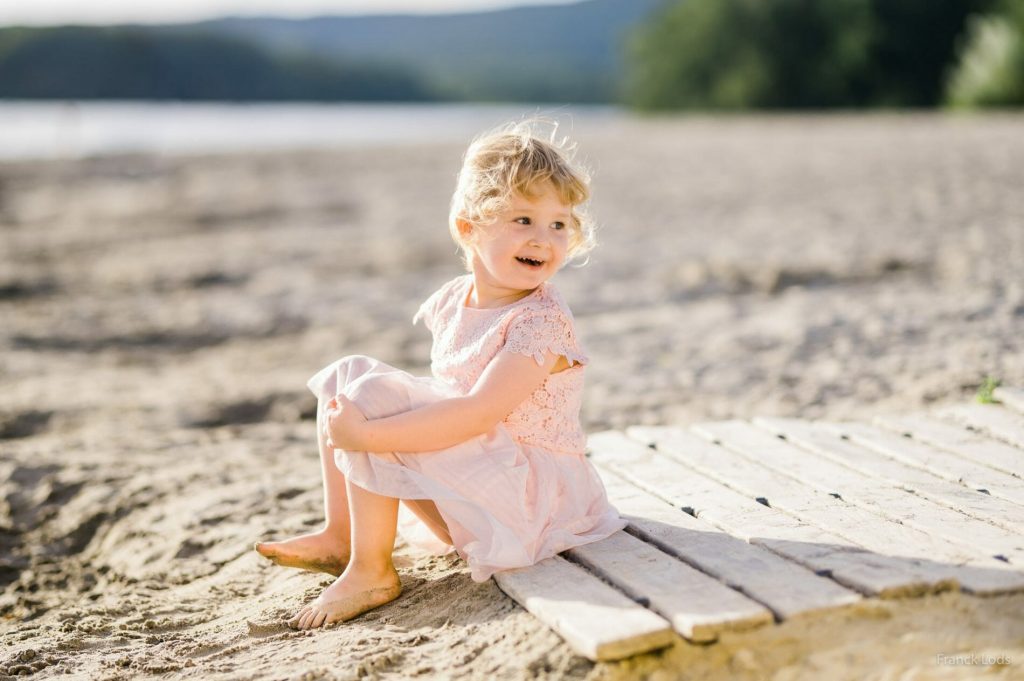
(484, 297)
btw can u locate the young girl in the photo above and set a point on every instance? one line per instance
(488, 453)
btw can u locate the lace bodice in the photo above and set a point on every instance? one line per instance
(466, 339)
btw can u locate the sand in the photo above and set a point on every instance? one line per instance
(160, 316)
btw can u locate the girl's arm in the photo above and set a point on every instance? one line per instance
(507, 381)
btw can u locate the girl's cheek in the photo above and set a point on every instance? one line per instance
(491, 232)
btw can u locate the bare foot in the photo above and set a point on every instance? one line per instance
(351, 595)
(318, 551)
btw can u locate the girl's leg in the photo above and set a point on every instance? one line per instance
(426, 510)
(326, 550)
(370, 579)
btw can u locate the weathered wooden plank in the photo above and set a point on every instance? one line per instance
(862, 490)
(920, 553)
(659, 522)
(787, 588)
(812, 503)
(920, 481)
(958, 439)
(991, 419)
(1010, 396)
(937, 461)
(595, 620)
(772, 488)
(698, 606)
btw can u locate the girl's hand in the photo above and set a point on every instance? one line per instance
(344, 424)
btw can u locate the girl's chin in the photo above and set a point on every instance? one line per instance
(530, 282)
(521, 278)
(531, 272)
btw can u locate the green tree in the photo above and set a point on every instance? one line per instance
(914, 48)
(990, 70)
(739, 54)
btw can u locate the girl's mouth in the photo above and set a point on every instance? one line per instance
(530, 262)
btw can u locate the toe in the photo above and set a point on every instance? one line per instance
(296, 621)
(307, 619)
(318, 619)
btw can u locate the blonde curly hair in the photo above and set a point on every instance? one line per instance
(516, 159)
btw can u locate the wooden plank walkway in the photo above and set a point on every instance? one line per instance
(735, 525)
(955, 439)
(991, 420)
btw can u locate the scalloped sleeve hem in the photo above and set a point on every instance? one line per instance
(544, 330)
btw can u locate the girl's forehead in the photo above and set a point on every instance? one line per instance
(545, 196)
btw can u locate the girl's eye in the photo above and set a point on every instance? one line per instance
(523, 220)
(559, 225)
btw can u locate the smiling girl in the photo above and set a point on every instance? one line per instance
(487, 454)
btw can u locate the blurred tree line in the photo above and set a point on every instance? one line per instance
(77, 62)
(775, 54)
(547, 53)
(703, 54)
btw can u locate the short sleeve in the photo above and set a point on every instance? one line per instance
(541, 329)
(427, 309)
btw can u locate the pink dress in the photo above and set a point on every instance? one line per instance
(520, 493)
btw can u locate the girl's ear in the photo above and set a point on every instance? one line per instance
(465, 227)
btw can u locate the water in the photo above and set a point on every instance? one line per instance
(56, 130)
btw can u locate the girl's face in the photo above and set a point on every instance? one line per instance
(520, 248)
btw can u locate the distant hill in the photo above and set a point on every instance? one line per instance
(86, 62)
(546, 53)
(541, 53)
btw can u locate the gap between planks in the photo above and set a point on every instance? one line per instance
(595, 620)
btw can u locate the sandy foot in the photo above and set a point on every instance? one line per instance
(351, 595)
(317, 551)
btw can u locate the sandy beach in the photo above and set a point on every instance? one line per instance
(160, 316)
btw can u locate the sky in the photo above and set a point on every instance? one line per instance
(44, 12)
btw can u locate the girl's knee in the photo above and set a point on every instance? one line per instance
(343, 372)
(354, 366)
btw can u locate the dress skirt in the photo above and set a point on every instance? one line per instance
(506, 504)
